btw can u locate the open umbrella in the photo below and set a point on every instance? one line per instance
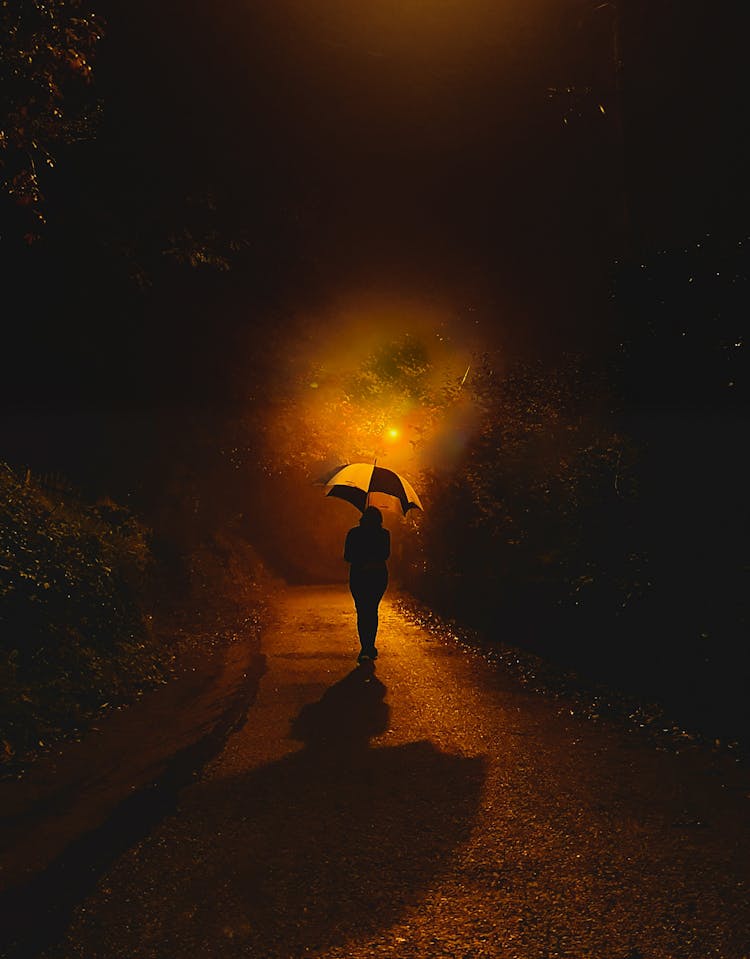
(366, 484)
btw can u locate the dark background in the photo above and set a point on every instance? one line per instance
(392, 147)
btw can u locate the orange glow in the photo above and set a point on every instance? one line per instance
(340, 398)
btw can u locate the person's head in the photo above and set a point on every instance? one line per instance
(371, 517)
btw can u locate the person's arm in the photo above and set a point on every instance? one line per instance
(386, 545)
(348, 547)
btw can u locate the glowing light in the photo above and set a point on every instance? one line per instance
(393, 434)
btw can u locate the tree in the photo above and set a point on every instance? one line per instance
(47, 48)
(533, 526)
(387, 402)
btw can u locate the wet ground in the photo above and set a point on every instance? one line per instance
(427, 807)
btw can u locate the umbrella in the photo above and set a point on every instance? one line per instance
(366, 484)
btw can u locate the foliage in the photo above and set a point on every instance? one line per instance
(46, 53)
(599, 514)
(323, 414)
(534, 526)
(194, 231)
(399, 369)
(74, 637)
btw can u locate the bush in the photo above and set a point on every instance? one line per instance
(606, 539)
(74, 637)
(534, 529)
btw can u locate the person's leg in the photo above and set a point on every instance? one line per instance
(358, 588)
(376, 588)
(369, 621)
(367, 589)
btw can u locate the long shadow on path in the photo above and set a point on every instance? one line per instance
(328, 844)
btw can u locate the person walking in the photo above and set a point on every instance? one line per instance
(367, 548)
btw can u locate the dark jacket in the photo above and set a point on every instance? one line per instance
(367, 547)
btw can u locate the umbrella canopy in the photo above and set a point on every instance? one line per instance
(366, 484)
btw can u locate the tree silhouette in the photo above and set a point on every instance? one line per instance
(46, 96)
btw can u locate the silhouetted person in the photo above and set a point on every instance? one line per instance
(367, 548)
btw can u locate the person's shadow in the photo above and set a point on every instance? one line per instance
(326, 845)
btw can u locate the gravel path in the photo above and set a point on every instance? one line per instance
(431, 808)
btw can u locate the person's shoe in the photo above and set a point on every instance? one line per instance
(363, 657)
(373, 653)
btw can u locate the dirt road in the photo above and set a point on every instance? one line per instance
(431, 808)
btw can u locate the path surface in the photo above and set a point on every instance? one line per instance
(432, 809)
